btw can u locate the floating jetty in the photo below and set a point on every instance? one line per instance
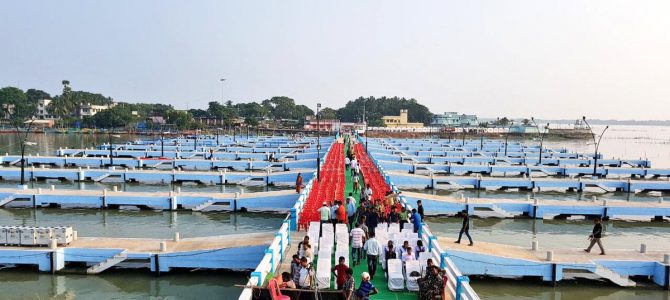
(528, 184)
(137, 175)
(149, 163)
(159, 255)
(458, 286)
(184, 154)
(536, 208)
(506, 170)
(260, 201)
(553, 265)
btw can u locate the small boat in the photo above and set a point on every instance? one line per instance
(30, 143)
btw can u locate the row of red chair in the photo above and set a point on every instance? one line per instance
(373, 177)
(328, 189)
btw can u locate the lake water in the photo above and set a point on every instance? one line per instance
(652, 142)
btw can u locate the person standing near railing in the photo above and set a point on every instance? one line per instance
(419, 209)
(306, 273)
(416, 221)
(298, 183)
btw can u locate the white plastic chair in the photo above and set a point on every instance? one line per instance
(323, 272)
(394, 227)
(396, 280)
(412, 266)
(342, 252)
(423, 260)
(327, 230)
(314, 225)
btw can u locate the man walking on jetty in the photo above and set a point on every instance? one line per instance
(465, 228)
(595, 236)
(372, 249)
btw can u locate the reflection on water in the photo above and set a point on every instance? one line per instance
(47, 144)
(124, 284)
(495, 288)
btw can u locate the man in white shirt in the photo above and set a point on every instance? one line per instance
(324, 213)
(305, 279)
(368, 193)
(354, 165)
(347, 162)
(357, 238)
(373, 249)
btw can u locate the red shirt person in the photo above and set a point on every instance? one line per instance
(341, 214)
(340, 270)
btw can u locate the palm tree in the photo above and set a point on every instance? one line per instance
(61, 106)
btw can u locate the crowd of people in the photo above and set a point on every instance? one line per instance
(362, 219)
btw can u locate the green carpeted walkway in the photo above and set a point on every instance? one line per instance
(379, 281)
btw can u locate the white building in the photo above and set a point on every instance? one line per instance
(42, 111)
(90, 110)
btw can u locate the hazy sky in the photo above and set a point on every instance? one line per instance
(551, 59)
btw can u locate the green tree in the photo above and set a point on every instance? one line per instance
(61, 106)
(20, 113)
(117, 116)
(33, 95)
(376, 108)
(253, 110)
(328, 114)
(180, 119)
(228, 113)
(284, 108)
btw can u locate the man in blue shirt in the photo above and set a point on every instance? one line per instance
(416, 220)
(351, 209)
(366, 288)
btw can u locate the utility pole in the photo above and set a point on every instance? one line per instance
(318, 143)
(162, 143)
(365, 119)
(111, 157)
(541, 135)
(595, 144)
(507, 135)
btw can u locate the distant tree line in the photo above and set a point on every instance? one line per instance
(376, 108)
(67, 106)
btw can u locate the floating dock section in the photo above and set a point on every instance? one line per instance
(260, 201)
(99, 254)
(553, 265)
(539, 208)
(528, 184)
(268, 177)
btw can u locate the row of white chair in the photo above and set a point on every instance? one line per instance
(399, 277)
